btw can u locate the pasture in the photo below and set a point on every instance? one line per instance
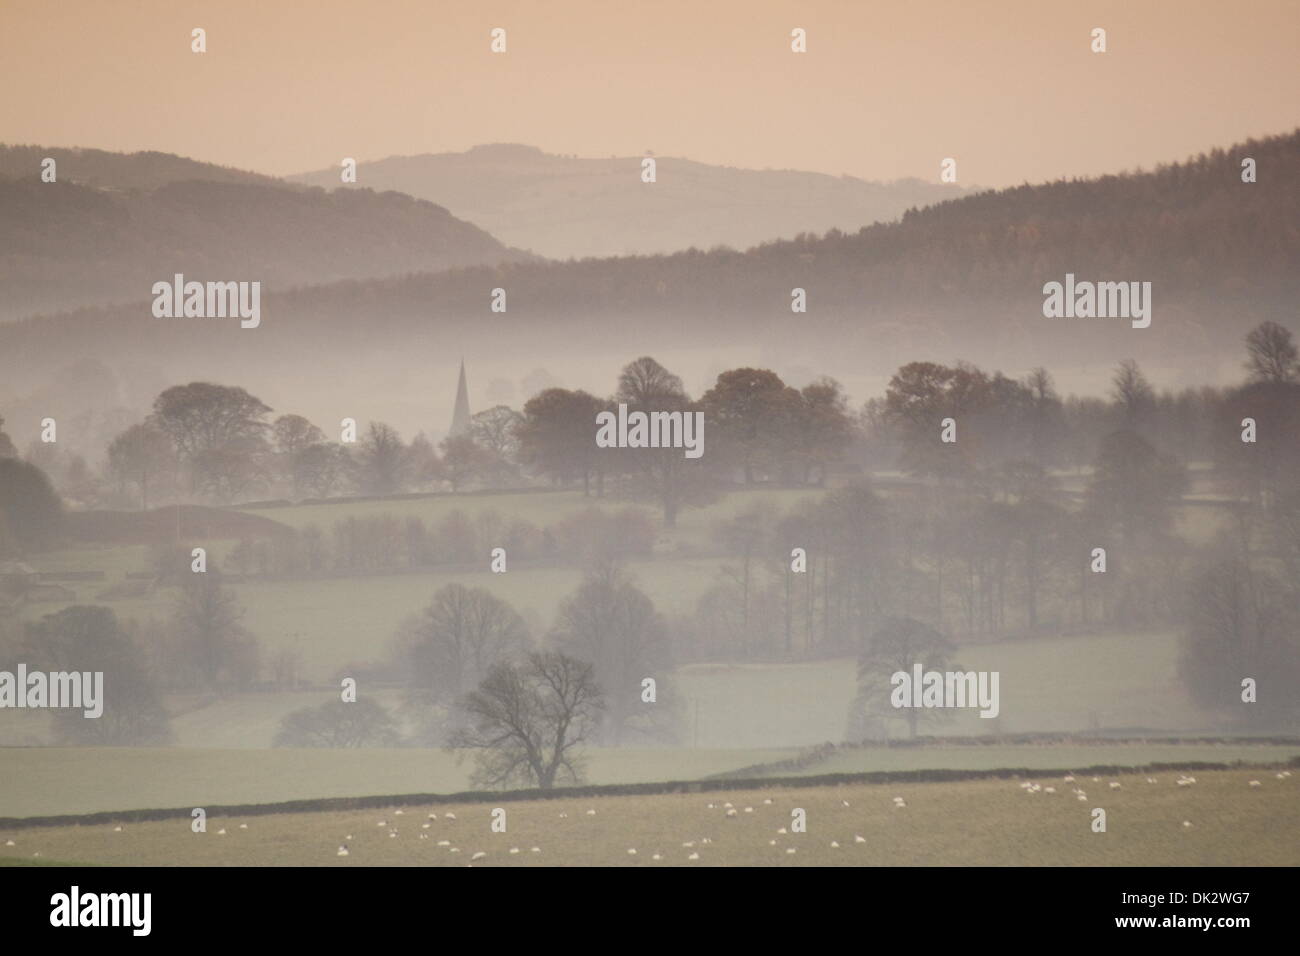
(1220, 820)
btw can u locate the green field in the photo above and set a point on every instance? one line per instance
(52, 781)
(45, 781)
(1219, 821)
(1048, 685)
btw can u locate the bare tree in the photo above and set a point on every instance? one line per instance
(215, 645)
(527, 721)
(1273, 356)
(454, 642)
(337, 723)
(898, 645)
(382, 457)
(614, 625)
(142, 455)
(1132, 392)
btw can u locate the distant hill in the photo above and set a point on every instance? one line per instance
(107, 170)
(113, 224)
(564, 207)
(962, 279)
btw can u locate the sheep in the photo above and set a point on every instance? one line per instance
(478, 856)
(693, 856)
(1115, 785)
(859, 839)
(835, 844)
(343, 850)
(514, 850)
(536, 849)
(791, 850)
(731, 813)
(1256, 783)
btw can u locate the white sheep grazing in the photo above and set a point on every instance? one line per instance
(1256, 783)
(1069, 778)
(243, 826)
(791, 850)
(514, 850)
(454, 849)
(631, 851)
(117, 829)
(398, 812)
(656, 857)
(858, 839)
(749, 809)
(382, 823)
(221, 832)
(536, 849)
(449, 816)
(1115, 785)
(731, 812)
(781, 830)
(835, 844)
(1151, 780)
(693, 856)
(478, 856)
(444, 843)
(768, 801)
(1049, 790)
(343, 851)
(591, 813)
(9, 842)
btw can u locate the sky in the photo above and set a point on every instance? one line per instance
(887, 89)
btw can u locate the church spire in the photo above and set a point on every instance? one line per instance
(460, 417)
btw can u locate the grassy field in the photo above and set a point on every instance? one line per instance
(51, 781)
(1047, 685)
(335, 624)
(1219, 821)
(988, 757)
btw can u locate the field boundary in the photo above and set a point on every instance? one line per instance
(811, 756)
(709, 785)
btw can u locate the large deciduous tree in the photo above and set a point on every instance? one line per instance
(527, 721)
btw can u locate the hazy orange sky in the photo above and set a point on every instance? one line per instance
(887, 88)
